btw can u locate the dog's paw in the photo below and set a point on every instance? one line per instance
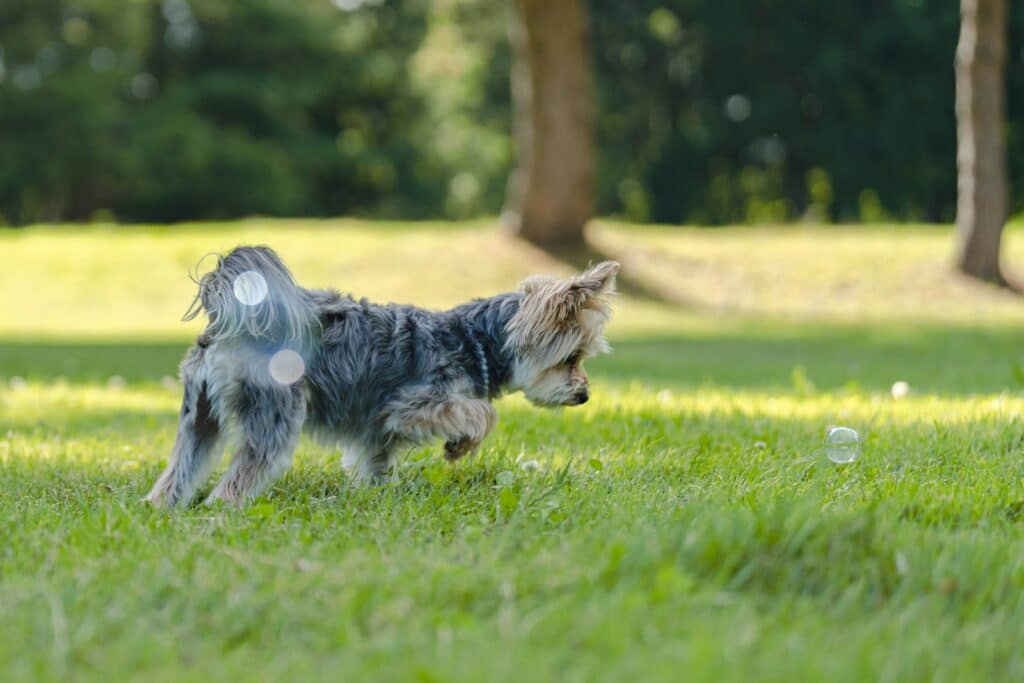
(152, 501)
(456, 448)
(160, 496)
(159, 500)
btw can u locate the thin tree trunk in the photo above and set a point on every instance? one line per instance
(981, 154)
(550, 194)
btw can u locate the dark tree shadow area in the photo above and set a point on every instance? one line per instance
(931, 358)
(90, 361)
(770, 356)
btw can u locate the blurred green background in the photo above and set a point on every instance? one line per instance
(707, 111)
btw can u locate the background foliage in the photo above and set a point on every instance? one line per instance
(710, 112)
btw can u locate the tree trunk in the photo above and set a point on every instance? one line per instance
(981, 155)
(550, 194)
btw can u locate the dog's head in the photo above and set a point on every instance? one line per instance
(559, 323)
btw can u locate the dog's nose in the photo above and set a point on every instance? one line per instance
(582, 396)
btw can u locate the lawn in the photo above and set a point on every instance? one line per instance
(683, 525)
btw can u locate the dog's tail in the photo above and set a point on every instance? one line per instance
(251, 293)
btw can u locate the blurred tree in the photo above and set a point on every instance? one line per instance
(718, 112)
(175, 109)
(550, 193)
(461, 73)
(703, 111)
(981, 152)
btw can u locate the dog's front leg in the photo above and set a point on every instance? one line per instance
(468, 422)
(462, 421)
(458, 447)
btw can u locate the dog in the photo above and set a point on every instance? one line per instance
(276, 359)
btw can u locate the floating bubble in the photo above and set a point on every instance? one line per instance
(900, 389)
(287, 367)
(529, 465)
(843, 445)
(250, 288)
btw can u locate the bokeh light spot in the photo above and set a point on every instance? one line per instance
(250, 288)
(738, 108)
(287, 367)
(102, 59)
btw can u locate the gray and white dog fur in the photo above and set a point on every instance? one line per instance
(377, 378)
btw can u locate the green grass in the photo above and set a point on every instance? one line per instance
(681, 526)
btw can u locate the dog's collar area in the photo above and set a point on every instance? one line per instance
(481, 359)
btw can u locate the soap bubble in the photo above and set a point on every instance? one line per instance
(843, 445)
(250, 288)
(287, 367)
(900, 389)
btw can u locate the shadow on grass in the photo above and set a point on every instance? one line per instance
(934, 359)
(779, 357)
(90, 361)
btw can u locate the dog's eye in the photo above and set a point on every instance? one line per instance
(573, 359)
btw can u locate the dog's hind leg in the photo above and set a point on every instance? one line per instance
(368, 464)
(269, 420)
(196, 445)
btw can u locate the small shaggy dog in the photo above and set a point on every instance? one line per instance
(276, 357)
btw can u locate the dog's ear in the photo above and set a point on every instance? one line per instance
(568, 301)
(551, 307)
(593, 288)
(535, 283)
(597, 280)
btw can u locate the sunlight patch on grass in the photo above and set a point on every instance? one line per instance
(56, 402)
(102, 282)
(845, 272)
(74, 281)
(620, 421)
